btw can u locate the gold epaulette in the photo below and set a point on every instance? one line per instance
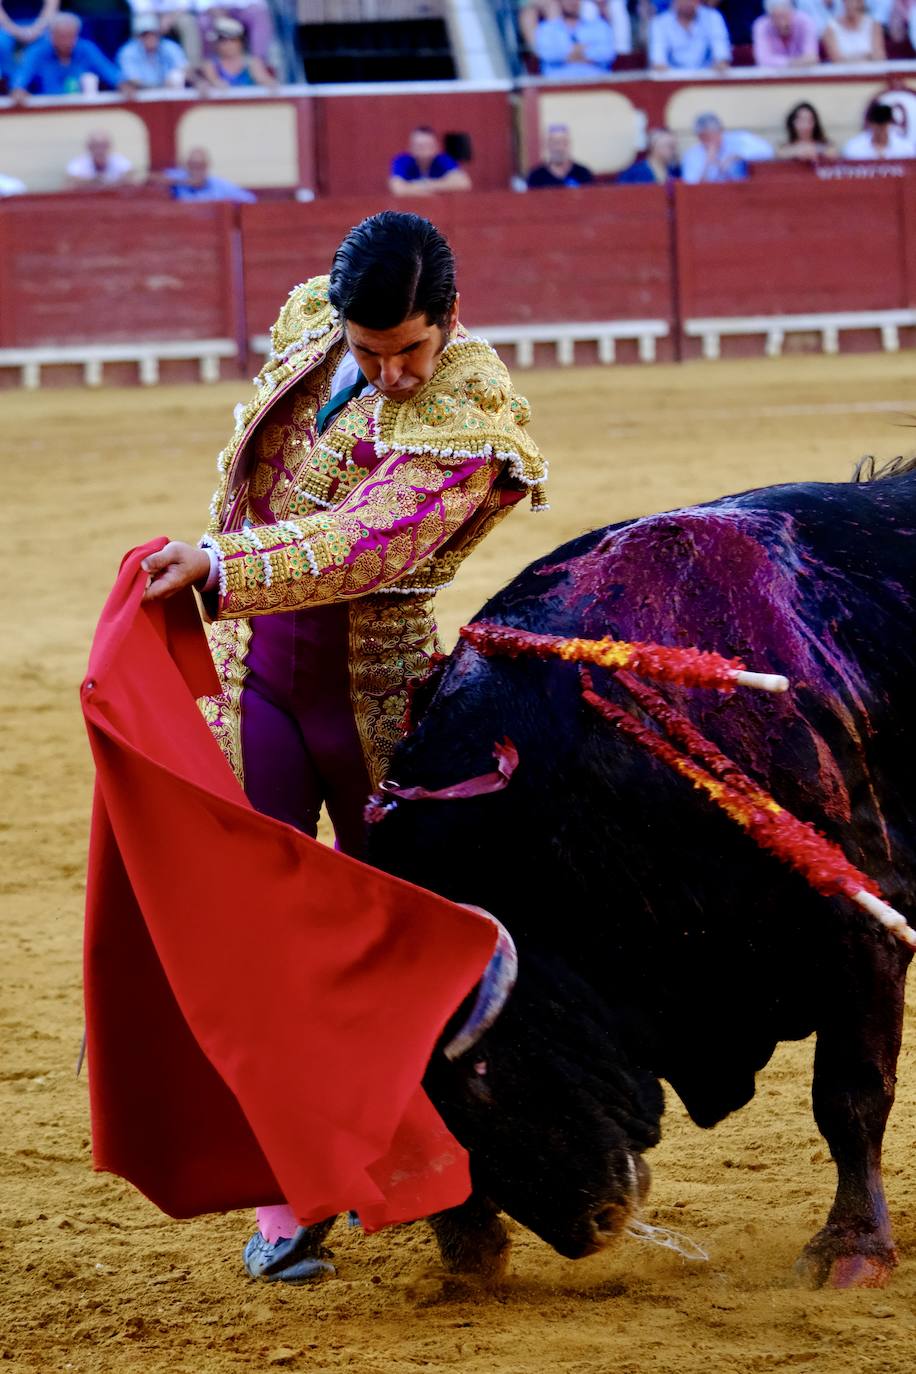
(467, 408)
(307, 315)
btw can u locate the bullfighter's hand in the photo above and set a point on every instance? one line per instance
(173, 568)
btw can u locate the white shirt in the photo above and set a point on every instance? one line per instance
(861, 147)
(82, 168)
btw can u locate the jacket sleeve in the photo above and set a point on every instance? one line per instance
(399, 515)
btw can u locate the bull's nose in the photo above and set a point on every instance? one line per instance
(608, 1222)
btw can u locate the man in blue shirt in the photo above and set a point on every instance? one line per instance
(151, 61)
(425, 168)
(571, 48)
(56, 65)
(716, 156)
(194, 182)
(689, 36)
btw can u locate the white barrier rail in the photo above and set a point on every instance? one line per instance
(774, 328)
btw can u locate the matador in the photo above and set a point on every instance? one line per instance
(381, 445)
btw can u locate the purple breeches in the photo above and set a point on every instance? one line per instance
(300, 745)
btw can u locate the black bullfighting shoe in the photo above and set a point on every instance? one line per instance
(298, 1260)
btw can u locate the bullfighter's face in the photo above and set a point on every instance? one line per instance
(399, 361)
(553, 1118)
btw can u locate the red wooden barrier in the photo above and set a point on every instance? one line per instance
(102, 269)
(595, 254)
(758, 249)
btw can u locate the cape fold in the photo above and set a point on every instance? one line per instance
(260, 1008)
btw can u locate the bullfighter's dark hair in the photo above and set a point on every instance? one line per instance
(391, 267)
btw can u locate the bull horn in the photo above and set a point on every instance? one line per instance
(493, 990)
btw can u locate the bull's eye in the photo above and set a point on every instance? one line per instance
(480, 1068)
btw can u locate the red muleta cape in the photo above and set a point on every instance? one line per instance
(260, 1009)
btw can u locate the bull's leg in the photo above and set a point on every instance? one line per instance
(472, 1238)
(854, 1079)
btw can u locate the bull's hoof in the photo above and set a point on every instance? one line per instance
(481, 1251)
(832, 1261)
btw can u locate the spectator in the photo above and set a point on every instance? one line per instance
(558, 168)
(151, 61)
(99, 167)
(233, 65)
(717, 156)
(11, 186)
(689, 36)
(614, 11)
(855, 36)
(660, 164)
(194, 182)
(58, 64)
(805, 137)
(784, 37)
(255, 18)
(901, 22)
(25, 20)
(880, 138)
(425, 168)
(573, 48)
(178, 20)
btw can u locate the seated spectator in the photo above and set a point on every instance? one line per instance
(151, 61)
(880, 139)
(425, 169)
(233, 65)
(194, 182)
(254, 16)
(99, 166)
(11, 186)
(689, 36)
(558, 168)
(854, 36)
(901, 22)
(570, 47)
(176, 19)
(660, 164)
(784, 37)
(25, 20)
(805, 137)
(614, 11)
(64, 64)
(717, 156)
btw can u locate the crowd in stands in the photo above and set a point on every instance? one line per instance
(571, 40)
(720, 155)
(45, 50)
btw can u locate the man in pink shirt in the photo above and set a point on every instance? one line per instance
(784, 37)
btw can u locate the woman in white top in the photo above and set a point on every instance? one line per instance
(855, 36)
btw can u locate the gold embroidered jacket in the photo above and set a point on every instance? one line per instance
(390, 498)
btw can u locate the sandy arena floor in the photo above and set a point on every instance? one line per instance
(93, 1278)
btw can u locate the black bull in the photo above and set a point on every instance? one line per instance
(656, 940)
